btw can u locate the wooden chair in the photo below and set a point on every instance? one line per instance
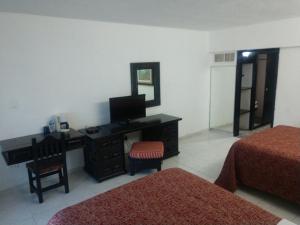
(49, 158)
(146, 154)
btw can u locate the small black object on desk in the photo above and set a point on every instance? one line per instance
(46, 130)
(92, 130)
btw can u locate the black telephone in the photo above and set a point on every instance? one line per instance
(92, 130)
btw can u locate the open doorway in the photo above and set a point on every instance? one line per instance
(256, 79)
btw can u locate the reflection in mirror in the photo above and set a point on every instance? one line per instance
(222, 93)
(145, 83)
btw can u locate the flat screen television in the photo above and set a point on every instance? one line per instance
(123, 109)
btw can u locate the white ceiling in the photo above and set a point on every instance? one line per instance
(191, 14)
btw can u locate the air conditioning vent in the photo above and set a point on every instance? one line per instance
(225, 57)
(229, 57)
(220, 57)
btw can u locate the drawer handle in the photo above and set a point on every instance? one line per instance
(105, 144)
(116, 154)
(72, 142)
(106, 157)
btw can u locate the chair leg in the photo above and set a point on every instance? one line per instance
(39, 188)
(159, 166)
(60, 175)
(65, 179)
(132, 166)
(30, 180)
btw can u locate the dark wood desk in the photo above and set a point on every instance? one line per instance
(18, 150)
(104, 151)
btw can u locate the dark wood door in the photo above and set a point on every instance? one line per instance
(270, 87)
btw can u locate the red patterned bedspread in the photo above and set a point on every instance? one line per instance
(268, 161)
(172, 196)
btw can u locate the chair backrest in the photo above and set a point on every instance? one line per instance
(49, 147)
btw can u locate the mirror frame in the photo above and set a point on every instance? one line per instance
(155, 67)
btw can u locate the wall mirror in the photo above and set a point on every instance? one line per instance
(145, 79)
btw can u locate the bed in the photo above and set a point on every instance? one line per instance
(172, 196)
(268, 161)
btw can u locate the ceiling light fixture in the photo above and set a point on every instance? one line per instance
(246, 54)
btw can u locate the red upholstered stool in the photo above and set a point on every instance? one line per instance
(146, 154)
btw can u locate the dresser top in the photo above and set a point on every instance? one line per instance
(112, 129)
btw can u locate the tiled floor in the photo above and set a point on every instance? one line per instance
(202, 154)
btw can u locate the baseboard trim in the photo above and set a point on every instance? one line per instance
(193, 134)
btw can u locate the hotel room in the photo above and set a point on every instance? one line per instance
(149, 112)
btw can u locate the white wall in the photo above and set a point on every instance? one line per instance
(222, 91)
(284, 34)
(55, 65)
(288, 88)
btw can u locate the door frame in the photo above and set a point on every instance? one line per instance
(241, 60)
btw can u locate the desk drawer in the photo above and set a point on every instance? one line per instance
(103, 143)
(75, 143)
(170, 131)
(112, 162)
(18, 156)
(111, 166)
(111, 151)
(105, 157)
(171, 147)
(165, 133)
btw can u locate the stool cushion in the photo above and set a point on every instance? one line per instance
(147, 150)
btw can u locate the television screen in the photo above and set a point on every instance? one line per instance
(127, 108)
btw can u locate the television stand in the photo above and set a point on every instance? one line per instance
(125, 122)
(104, 151)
